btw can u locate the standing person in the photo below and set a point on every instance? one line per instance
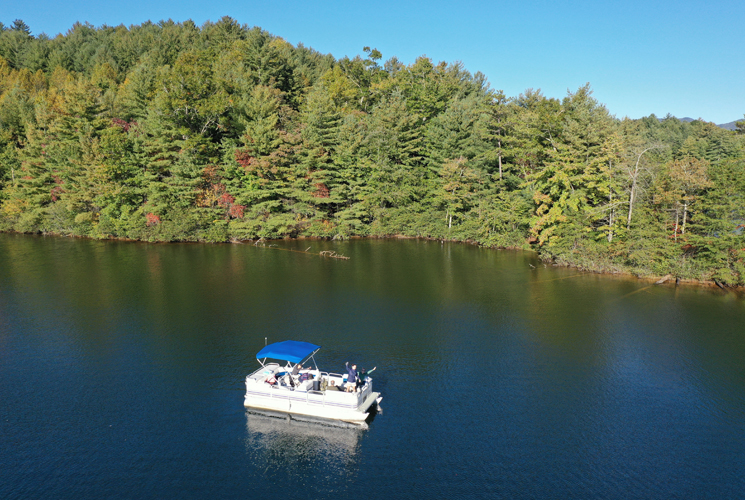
(364, 375)
(351, 377)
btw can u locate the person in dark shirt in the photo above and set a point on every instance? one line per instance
(351, 377)
(364, 376)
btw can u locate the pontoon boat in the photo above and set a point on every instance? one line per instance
(305, 392)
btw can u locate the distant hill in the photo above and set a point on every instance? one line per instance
(726, 126)
(729, 126)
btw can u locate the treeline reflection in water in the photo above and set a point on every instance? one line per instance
(122, 371)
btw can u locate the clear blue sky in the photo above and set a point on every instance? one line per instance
(682, 57)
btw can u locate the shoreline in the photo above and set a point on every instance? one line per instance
(667, 280)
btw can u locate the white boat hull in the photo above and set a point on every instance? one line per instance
(351, 407)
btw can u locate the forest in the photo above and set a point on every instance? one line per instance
(223, 132)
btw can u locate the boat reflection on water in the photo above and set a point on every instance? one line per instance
(278, 438)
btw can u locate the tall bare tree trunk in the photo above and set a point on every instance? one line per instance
(611, 217)
(499, 157)
(634, 179)
(631, 202)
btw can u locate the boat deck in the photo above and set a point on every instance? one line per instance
(273, 387)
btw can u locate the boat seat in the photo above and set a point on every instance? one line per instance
(305, 385)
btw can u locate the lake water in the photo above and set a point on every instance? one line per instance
(122, 371)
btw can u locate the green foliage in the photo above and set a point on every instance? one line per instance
(175, 132)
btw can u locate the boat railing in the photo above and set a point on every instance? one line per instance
(312, 396)
(262, 369)
(363, 388)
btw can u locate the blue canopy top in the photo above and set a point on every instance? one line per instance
(289, 350)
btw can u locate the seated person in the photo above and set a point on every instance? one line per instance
(332, 386)
(287, 381)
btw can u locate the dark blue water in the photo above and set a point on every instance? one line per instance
(122, 367)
